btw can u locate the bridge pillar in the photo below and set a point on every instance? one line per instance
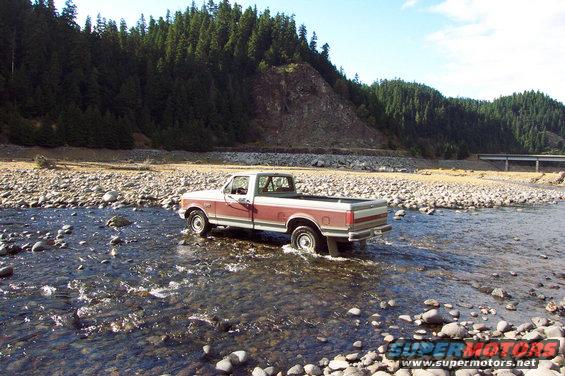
(506, 165)
(537, 165)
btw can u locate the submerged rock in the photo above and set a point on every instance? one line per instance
(39, 246)
(500, 293)
(118, 221)
(6, 271)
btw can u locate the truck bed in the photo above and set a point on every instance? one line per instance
(344, 200)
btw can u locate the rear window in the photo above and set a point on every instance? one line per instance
(275, 184)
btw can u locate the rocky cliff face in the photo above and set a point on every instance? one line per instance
(296, 107)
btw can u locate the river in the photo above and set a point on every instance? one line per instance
(149, 305)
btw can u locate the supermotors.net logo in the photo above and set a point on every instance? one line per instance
(503, 353)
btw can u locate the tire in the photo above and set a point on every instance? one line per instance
(198, 223)
(306, 238)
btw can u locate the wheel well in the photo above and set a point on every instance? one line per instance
(190, 210)
(295, 222)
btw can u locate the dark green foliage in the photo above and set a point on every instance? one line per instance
(434, 125)
(184, 81)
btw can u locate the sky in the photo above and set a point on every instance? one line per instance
(465, 48)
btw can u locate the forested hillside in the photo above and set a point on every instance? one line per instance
(184, 82)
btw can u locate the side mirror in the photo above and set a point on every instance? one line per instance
(243, 201)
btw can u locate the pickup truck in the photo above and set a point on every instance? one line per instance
(268, 201)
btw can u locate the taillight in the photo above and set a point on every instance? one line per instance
(349, 218)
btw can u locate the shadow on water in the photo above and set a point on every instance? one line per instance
(151, 303)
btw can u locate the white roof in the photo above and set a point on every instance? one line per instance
(262, 173)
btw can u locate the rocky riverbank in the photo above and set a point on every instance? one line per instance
(439, 321)
(163, 186)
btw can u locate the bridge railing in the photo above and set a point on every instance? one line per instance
(522, 157)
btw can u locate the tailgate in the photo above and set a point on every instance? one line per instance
(369, 214)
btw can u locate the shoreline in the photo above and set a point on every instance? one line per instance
(86, 183)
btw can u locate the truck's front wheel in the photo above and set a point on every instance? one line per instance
(198, 223)
(306, 238)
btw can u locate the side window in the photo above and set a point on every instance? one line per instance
(240, 185)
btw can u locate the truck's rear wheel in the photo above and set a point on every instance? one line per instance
(306, 238)
(198, 223)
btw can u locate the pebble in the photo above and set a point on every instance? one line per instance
(312, 370)
(206, 349)
(433, 316)
(358, 344)
(39, 246)
(338, 364)
(500, 293)
(431, 302)
(295, 370)
(118, 221)
(116, 240)
(110, 196)
(454, 330)
(224, 366)
(238, 357)
(406, 318)
(354, 311)
(503, 326)
(257, 371)
(539, 321)
(352, 357)
(510, 307)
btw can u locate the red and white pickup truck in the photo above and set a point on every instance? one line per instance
(268, 201)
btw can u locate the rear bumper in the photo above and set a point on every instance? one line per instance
(369, 233)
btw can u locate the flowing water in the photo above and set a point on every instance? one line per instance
(149, 305)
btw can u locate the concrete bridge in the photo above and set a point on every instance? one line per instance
(537, 158)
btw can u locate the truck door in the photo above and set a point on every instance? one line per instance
(236, 210)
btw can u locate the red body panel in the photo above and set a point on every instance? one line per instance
(281, 215)
(267, 214)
